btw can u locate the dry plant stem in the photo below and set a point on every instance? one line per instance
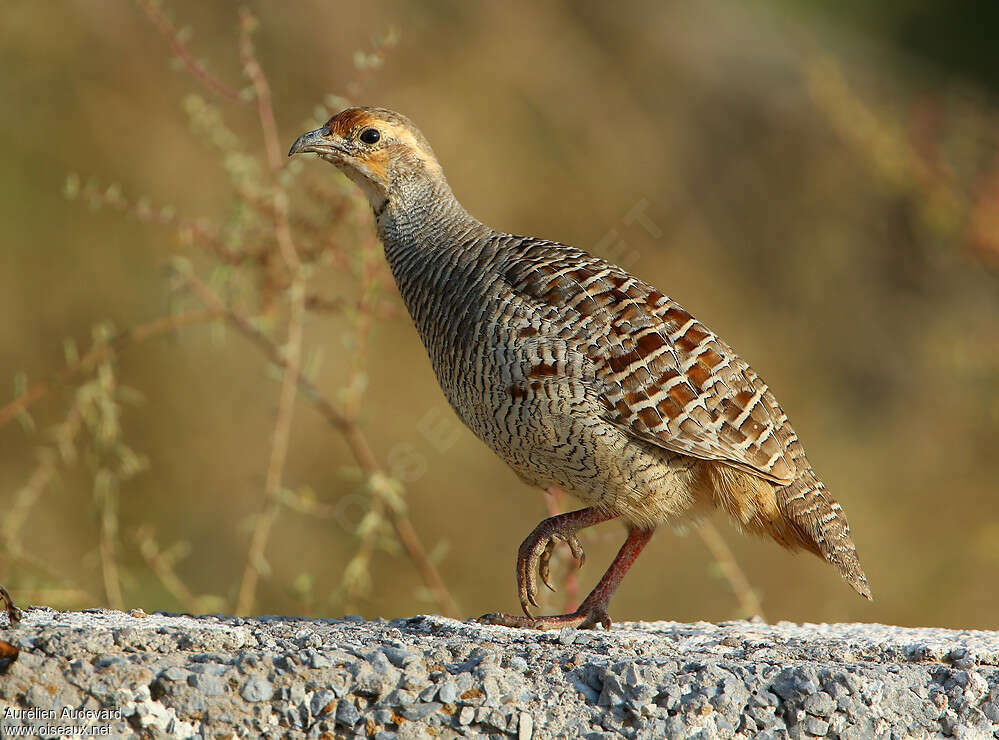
(265, 112)
(293, 347)
(99, 352)
(197, 70)
(187, 229)
(356, 441)
(749, 603)
(307, 230)
(15, 517)
(308, 506)
(106, 496)
(352, 434)
(150, 551)
(319, 304)
(352, 407)
(912, 167)
(421, 560)
(26, 498)
(279, 454)
(106, 547)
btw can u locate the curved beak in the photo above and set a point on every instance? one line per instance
(317, 141)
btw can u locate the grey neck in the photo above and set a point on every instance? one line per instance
(424, 214)
(436, 251)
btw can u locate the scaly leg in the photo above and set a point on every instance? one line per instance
(534, 555)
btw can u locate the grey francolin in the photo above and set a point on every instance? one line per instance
(580, 376)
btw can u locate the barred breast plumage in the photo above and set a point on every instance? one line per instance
(581, 376)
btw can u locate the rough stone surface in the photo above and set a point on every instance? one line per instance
(178, 676)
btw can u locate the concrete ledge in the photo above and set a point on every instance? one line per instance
(179, 676)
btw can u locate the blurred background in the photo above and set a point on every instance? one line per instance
(817, 181)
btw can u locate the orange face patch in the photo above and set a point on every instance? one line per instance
(348, 123)
(376, 163)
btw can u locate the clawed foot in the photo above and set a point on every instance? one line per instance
(534, 557)
(586, 617)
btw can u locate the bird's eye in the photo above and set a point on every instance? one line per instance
(370, 136)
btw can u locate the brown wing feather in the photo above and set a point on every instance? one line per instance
(667, 378)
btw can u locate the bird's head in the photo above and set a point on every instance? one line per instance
(380, 150)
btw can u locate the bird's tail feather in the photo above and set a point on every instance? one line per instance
(800, 515)
(808, 506)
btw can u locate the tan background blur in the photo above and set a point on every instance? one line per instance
(816, 186)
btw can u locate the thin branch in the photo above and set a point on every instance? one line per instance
(188, 230)
(289, 275)
(420, 558)
(296, 320)
(17, 514)
(24, 500)
(261, 87)
(106, 494)
(163, 569)
(279, 455)
(105, 482)
(290, 357)
(107, 539)
(351, 402)
(310, 230)
(356, 441)
(320, 304)
(196, 68)
(100, 351)
(749, 602)
(307, 505)
(911, 167)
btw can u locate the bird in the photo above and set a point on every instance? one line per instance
(581, 377)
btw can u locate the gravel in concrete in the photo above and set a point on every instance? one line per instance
(178, 676)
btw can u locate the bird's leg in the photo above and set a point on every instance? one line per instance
(535, 552)
(7, 605)
(593, 610)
